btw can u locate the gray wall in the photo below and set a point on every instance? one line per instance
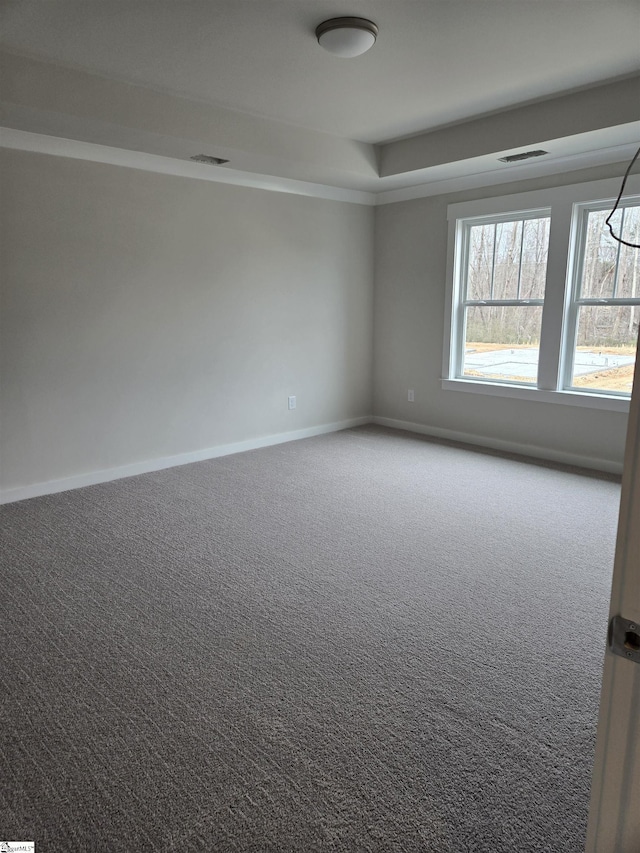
(146, 315)
(411, 252)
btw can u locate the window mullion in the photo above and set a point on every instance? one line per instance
(549, 360)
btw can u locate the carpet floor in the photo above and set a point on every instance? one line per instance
(365, 641)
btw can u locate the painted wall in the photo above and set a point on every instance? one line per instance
(411, 253)
(146, 315)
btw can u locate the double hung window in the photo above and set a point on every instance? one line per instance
(543, 302)
(602, 322)
(502, 296)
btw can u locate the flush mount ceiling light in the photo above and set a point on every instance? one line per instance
(347, 37)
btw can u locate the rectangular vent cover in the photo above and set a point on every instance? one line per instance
(514, 158)
(207, 158)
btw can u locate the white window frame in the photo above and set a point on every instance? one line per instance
(575, 300)
(462, 302)
(566, 205)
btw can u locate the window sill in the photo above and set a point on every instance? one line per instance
(521, 392)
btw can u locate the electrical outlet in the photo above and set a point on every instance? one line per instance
(292, 402)
(410, 395)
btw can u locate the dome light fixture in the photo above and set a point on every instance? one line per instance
(347, 37)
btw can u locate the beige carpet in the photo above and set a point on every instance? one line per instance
(363, 641)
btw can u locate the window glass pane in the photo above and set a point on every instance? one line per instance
(535, 248)
(502, 342)
(507, 260)
(629, 260)
(605, 352)
(600, 254)
(479, 271)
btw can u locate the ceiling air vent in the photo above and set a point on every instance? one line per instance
(207, 158)
(515, 158)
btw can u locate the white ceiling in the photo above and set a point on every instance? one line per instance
(435, 62)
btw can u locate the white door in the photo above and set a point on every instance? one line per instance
(614, 817)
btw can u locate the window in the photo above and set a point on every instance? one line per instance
(602, 328)
(543, 302)
(503, 285)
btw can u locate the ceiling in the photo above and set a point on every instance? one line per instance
(437, 63)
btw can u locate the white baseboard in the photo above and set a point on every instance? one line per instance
(91, 478)
(537, 452)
